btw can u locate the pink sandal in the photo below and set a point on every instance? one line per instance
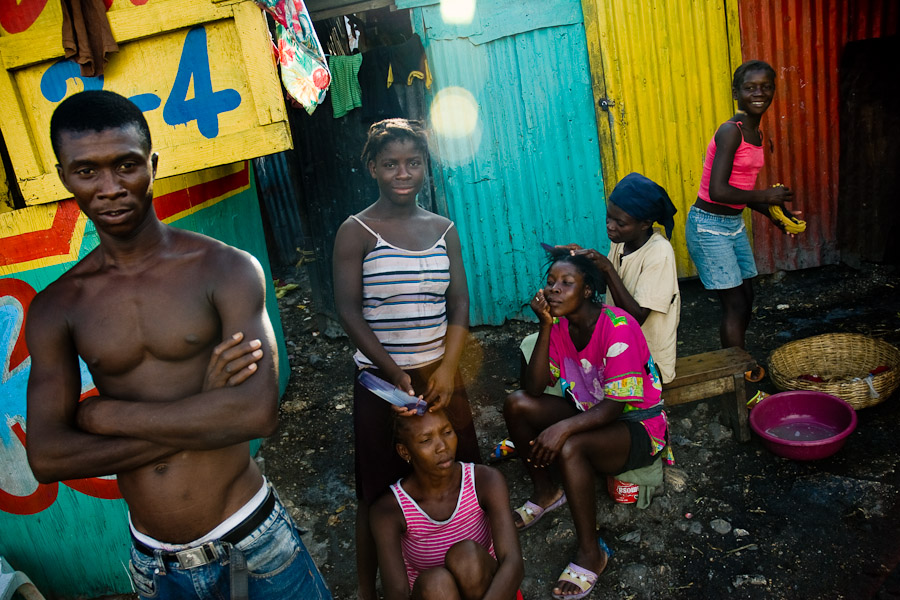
(531, 513)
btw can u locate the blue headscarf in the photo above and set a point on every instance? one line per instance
(644, 200)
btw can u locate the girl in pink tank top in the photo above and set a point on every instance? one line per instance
(715, 234)
(444, 522)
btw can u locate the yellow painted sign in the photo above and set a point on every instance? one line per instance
(203, 73)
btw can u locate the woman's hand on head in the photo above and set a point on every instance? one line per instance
(572, 248)
(440, 388)
(541, 308)
(405, 412)
(599, 260)
(404, 384)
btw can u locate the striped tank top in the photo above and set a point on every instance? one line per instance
(404, 300)
(426, 541)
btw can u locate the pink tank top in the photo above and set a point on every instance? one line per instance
(426, 541)
(748, 161)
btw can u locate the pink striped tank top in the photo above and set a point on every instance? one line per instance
(426, 541)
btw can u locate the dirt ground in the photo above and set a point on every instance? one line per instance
(733, 521)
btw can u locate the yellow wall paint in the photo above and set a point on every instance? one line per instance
(6, 201)
(154, 43)
(667, 67)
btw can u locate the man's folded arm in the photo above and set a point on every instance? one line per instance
(215, 418)
(57, 449)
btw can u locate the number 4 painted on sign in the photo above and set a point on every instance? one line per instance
(206, 105)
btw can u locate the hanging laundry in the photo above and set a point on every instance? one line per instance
(303, 70)
(86, 35)
(345, 91)
(353, 32)
(408, 62)
(378, 101)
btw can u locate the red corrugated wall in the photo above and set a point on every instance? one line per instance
(803, 40)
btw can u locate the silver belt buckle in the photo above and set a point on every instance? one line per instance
(197, 557)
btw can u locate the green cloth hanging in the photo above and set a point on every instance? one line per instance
(345, 91)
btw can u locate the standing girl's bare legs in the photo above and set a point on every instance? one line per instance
(526, 417)
(366, 557)
(737, 307)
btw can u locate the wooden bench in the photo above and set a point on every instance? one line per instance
(713, 374)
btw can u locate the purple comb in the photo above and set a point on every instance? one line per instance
(386, 391)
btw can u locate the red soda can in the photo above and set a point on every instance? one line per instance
(622, 492)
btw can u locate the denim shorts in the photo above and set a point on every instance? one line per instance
(279, 567)
(720, 249)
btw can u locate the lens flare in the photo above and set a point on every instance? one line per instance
(454, 112)
(457, 12)
(454, 117)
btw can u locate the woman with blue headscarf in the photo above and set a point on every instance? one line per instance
(640, 267)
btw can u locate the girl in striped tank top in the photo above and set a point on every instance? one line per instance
(401, 295)
(446, 531)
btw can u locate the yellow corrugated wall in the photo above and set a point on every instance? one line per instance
(6, 201)
(666, 66)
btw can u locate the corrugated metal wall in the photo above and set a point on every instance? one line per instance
(666, 67)
(803, 40)
(277, 183)
(530, 172)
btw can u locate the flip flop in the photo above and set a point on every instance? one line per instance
(755, 374)
(582, 578)
(531, 513)
(503, 450)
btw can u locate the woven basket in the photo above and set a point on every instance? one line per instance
(844, 360)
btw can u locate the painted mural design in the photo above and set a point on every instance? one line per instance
(59, 234)
(191, 97)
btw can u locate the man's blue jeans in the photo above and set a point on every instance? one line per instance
(279, 567)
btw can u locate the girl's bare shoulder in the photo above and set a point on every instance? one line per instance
(488, 475)
(434, 223)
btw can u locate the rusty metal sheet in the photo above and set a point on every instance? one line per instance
(803, 41)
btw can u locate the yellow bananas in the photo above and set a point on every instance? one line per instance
(791, 225)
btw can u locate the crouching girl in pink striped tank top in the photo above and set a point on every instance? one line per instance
(446, 531)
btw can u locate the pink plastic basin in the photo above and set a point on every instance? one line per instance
(803, 425)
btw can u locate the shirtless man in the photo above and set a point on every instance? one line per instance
(147, 311)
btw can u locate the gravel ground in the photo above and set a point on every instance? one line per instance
(733, 520)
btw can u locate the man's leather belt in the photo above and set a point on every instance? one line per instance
(207, 553)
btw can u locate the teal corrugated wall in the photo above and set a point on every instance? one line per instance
(530, 172)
